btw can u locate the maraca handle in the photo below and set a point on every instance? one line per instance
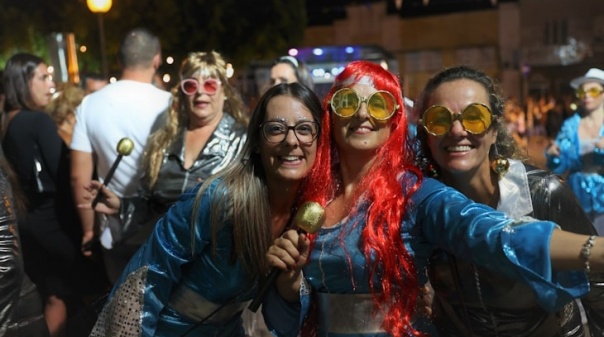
(99, 194)
(270, 280)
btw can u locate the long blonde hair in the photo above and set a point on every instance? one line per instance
(178, 115)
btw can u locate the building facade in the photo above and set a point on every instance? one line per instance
(533, 47)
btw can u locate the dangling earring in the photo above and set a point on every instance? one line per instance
(499, 164)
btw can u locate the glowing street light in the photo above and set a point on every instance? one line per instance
(100, 7)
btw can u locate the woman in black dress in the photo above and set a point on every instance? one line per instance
(34, 150)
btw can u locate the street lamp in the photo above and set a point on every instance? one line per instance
(100, 7)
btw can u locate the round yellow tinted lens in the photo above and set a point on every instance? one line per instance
(437, 120)
(594, 92)
(476, 118)
(381, 105)
(345, 102)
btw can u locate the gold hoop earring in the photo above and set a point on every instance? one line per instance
(499, 164)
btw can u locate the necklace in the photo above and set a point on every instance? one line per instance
(493, 203)
(481, 299)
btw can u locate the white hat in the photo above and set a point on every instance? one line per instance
(592, 75)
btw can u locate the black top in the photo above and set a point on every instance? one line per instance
(28, 129)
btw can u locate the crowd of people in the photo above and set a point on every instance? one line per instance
(436, 227)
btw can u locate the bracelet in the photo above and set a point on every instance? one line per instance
(586, 251)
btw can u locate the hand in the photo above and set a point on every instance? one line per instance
(109, 204)
(289, 253)
(553, 150)
(424, 302)
(86, 238)
(600, 143)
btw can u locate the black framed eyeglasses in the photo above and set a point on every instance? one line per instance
(276, 131)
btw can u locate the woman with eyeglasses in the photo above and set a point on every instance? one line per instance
(203, 132)
(202, 263)
(578, 151)
(466, 145)
(360, 274)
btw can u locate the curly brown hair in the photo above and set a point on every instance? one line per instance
(505, 144)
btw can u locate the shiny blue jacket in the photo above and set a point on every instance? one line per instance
(172, 283)
(585, 172)
(438, 217)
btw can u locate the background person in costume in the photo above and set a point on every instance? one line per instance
(203, 131)
(579, 147)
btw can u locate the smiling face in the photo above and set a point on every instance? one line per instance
(41, 86)
(360, 132)
(458, 151)
(287, 162)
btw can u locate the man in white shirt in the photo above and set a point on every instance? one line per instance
(127, 108)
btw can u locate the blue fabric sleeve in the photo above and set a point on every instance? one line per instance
(568, 143)
(283, 318)
(166, 251)
(474, 232)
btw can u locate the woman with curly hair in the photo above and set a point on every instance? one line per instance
(486, 165)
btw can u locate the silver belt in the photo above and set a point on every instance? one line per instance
(190, 303)
(349, 314)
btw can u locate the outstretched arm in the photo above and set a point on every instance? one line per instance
(566, 247)
(532, 252)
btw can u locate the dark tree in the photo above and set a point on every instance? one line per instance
(242, 30)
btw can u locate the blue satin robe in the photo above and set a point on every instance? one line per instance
(585, 172)
(140, 302)
(438, 217)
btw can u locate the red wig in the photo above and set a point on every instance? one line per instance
(380, 189)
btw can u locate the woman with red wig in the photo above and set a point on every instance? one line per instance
(360, 274)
